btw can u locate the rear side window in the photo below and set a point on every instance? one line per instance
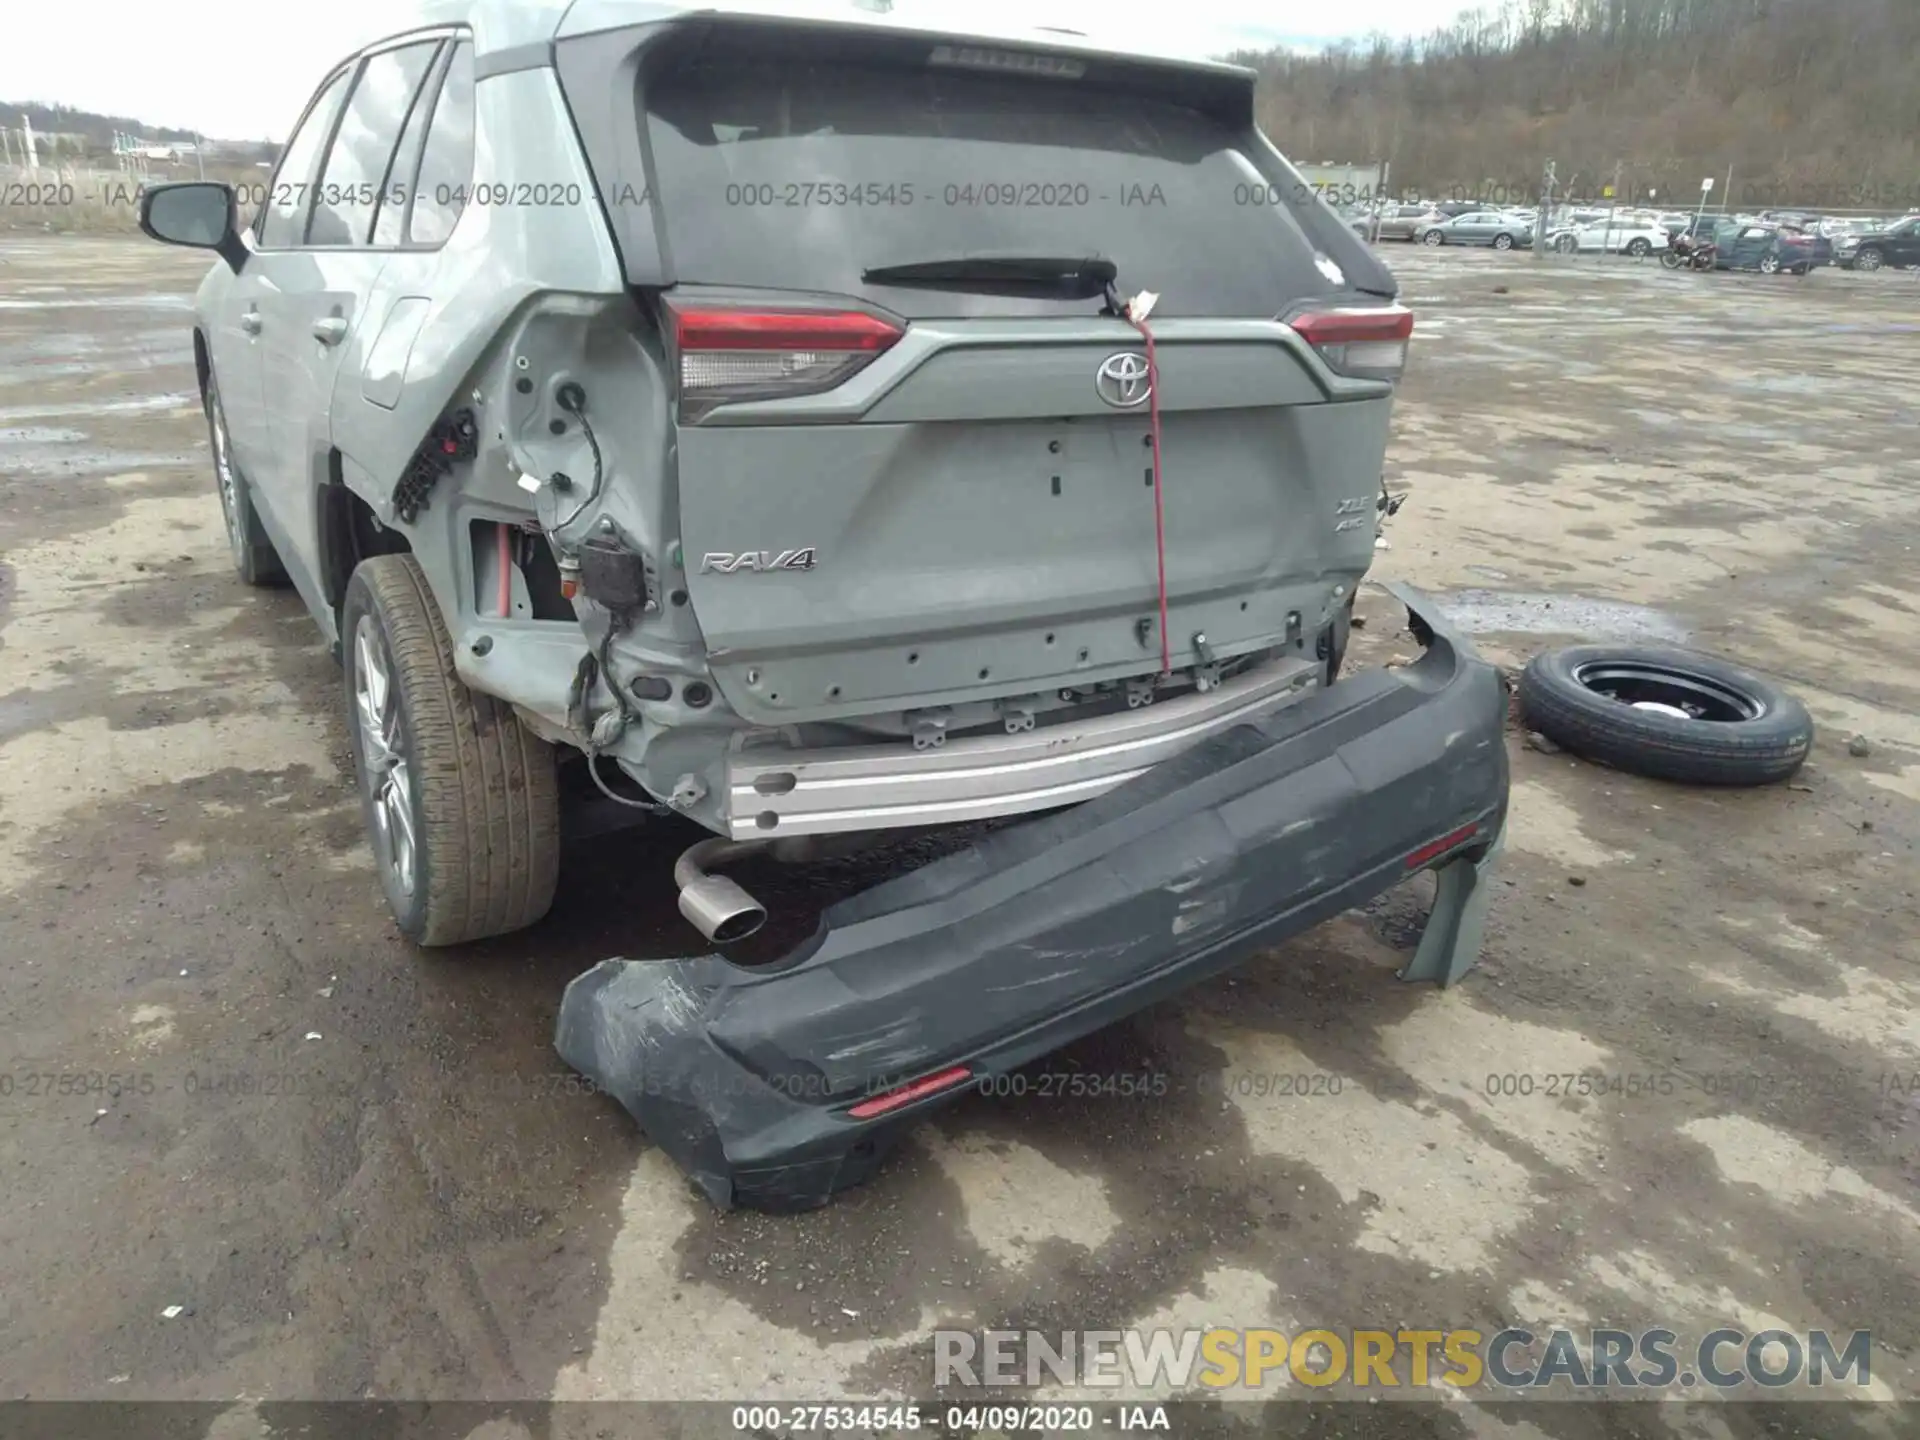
(390, 223)
(446, 165)
(283, 220)
(795, 167)
(355, 177)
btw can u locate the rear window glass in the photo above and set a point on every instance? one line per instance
(795, 170)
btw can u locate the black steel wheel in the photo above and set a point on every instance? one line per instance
(1671, 714)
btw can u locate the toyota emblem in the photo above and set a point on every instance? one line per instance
(1123, 381)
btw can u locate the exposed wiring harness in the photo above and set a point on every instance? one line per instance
(572, 399)
(597, 733)
(601, 733)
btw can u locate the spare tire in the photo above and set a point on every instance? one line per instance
(1671, 714)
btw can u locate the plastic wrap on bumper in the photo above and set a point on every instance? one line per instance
(1046, 931)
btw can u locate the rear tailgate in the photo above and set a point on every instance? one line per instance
(968, 511)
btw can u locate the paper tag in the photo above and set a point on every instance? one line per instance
(530, 484)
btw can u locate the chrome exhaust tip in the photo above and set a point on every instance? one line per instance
(714, 905)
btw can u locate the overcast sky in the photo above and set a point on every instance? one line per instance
(242, 69)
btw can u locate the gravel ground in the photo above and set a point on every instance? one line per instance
(362, 1172)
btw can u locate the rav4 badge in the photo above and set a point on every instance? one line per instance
(721, 562)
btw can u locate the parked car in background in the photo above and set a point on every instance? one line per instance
(1769, 249)
(1479, 227)
(1398, 222)
(1896, 245)
(1818, 245)
(1621, 237)
(1696, 227)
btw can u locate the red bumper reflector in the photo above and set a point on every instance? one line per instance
(907, 1094)
(1434, 849)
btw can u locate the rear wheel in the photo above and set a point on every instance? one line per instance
(1869, 259)
(254, 559)
(1639, 247)
(461, 802)
(1769, 264)
(1503, 242)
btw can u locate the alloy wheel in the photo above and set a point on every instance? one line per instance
(228, 477)
(387, 773)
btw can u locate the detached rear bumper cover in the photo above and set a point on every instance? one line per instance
(1047, 931)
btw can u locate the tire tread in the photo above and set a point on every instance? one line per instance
(1747, 753)
(488, 789)
(260, 564)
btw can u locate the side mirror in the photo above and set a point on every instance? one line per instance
(196, 213)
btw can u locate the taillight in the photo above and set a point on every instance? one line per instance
(1369, 344)
(731, 354)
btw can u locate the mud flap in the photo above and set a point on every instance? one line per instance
(761, 1082)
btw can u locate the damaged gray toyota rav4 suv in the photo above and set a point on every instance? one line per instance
(819, 426)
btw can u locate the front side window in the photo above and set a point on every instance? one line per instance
(283, 218)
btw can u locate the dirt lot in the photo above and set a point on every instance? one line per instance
(411, 1203)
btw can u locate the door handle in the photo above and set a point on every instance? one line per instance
(330, 331)
(250, 322)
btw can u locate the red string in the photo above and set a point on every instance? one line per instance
(1159, 507)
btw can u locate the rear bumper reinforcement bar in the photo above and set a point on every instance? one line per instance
(1048, 930)
(809, 792)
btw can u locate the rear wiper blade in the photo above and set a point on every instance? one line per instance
(1079, 277)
